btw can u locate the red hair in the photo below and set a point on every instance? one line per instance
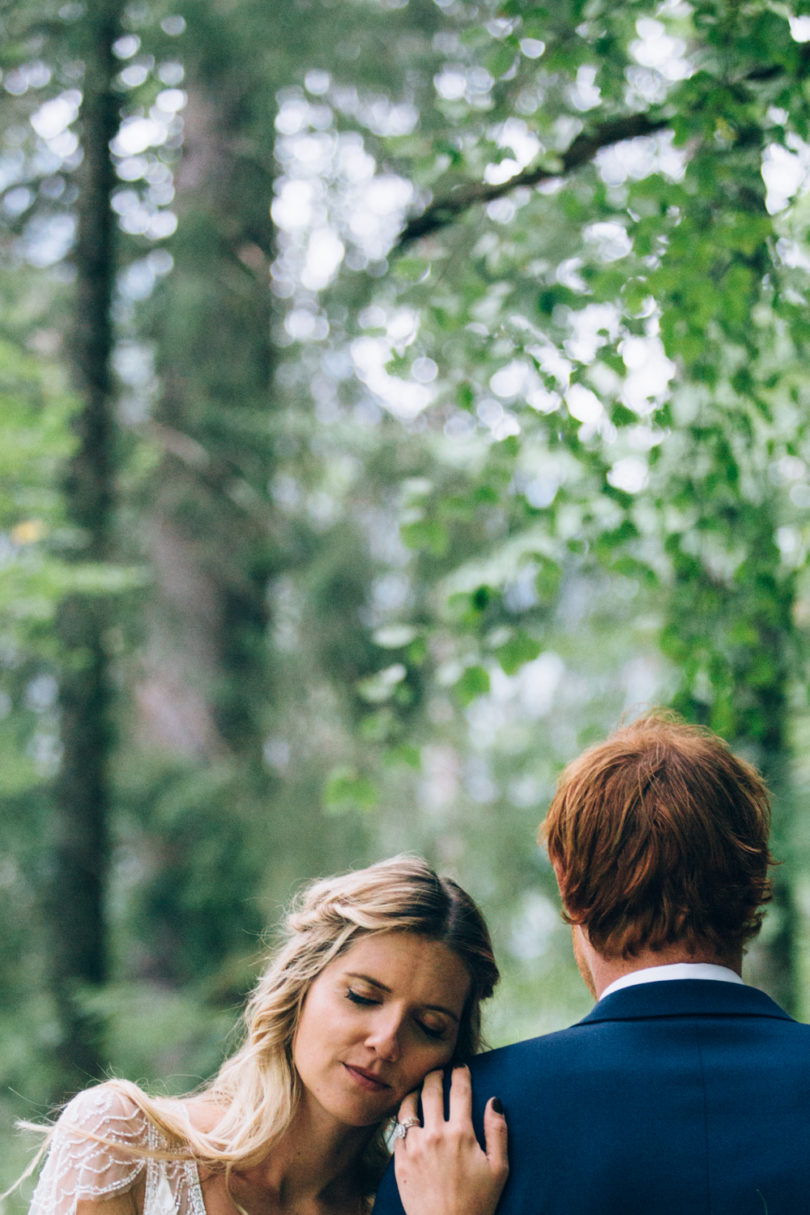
(660, 837)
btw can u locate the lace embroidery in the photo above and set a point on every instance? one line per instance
(78, 1168)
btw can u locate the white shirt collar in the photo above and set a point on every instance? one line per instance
(674, 970)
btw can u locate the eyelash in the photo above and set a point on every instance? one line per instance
(435, 1035)
(356, 998)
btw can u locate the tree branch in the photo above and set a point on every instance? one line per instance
(443, 211)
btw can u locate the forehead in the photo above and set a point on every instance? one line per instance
(412, 967)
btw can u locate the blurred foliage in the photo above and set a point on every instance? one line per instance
(461, 407)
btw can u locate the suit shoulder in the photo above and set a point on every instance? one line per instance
(518, 1054)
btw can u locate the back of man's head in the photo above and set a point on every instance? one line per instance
(660, 838)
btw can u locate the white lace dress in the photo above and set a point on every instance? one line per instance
(78, 1168)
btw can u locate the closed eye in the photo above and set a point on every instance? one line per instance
(434, 1033)
(356, 998)
(431, 1032)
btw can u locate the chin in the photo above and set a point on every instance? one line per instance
(359, 1114)
(359, 1119)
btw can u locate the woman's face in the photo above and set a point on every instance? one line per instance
(375, 1021)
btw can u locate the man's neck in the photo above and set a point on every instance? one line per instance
(599, 971)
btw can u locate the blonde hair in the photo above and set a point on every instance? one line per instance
(258, 1086)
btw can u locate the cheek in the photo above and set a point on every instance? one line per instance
(424, 1058)
(308, 1035)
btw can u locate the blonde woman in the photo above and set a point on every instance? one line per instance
(379, 982)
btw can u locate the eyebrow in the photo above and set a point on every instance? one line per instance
(355, 974)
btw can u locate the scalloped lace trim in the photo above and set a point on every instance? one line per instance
(78, 1167)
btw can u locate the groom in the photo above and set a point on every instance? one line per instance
(684, 1091)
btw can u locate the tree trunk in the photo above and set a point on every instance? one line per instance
(82, 797)
(204, 685)
(204, 688)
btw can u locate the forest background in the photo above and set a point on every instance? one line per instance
(395, 393)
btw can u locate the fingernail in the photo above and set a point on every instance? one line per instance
(497, 1105)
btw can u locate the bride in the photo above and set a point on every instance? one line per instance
(379, 983)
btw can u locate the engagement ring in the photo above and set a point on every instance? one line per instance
(401, 1129)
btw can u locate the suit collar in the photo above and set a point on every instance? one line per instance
(673, 970)
(684, 998)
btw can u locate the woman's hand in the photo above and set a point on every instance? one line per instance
(440, 1167)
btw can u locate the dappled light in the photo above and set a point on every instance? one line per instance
(396, 396)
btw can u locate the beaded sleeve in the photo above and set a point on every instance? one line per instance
(94, 1154)
(78, 1166)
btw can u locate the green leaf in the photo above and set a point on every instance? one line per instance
(474, 682)
(516, 652)
(394, 636)
(405, 754)
(500, 60)
(346, 789)
(427, 534)
(411, 269)
(380, 686)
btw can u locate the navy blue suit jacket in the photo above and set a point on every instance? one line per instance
(684, 1097)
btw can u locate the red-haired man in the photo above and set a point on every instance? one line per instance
(685, 1091)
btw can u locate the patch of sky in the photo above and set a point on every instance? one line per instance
(173, 25)
(634, 159)
(584, 94)
(655, 48)
(789, 541)
(785, 171)
(553, 363)
(610, 238)
(591, 328)
(515, 135)
(41, 693)
(403, 397)
(532, 48)
(171, 100)
(304, 325)
(126, 46)
(54, 116)
(451, 82)
(324, 254)
(584, 406)
(294, 204)
(513, 380)
(138, 133)
(649, 372)
(136, 74)
(171, 73)
(48, 241)
(17, 200)
(629, 474)
(533, 926)
(317, 82)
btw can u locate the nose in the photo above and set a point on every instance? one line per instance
(383, 1036)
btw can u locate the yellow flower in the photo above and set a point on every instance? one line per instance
(28, 532)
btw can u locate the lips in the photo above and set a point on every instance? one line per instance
(365, 1079)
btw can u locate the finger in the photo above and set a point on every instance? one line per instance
(433, 1098)
(409, 1107)
(461, 1095)
(496, 1137)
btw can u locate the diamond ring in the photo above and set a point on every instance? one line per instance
(401, 1129)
